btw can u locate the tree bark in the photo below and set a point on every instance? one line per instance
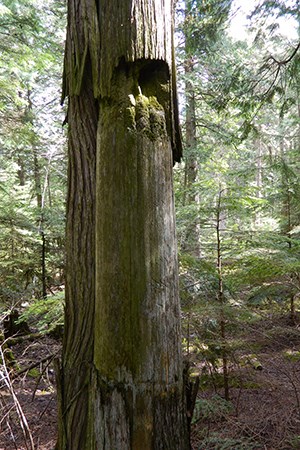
(221, 297)
(77, 360)
(39, 199)
(192, 243)
(120, 383)
(137, 338)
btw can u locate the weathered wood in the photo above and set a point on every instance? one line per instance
(107, 32)
(137, 333)
(26, 337)
(120, 380)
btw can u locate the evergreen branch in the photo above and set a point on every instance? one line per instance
(289, 59)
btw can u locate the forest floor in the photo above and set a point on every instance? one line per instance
(263, 412)
(28, 414)
(264, 408)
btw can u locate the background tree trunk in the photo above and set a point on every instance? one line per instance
(221, 297)
(192, 244)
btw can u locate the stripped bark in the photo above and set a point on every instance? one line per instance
(120, 382)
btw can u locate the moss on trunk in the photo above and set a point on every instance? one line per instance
(121, 378)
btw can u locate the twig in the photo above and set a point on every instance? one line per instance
(33, 365)
(286, 61)
(6, 414)
(26, 337)
(22, 418)
(41, 374)
(45, 409)
(11, 433)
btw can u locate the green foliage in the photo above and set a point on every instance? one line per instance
(202, 22)
(198, 280)
(237, 196)
(218, 442)
(34, 373)
(213, 409)
(32, 157)
(46, 314)
(277, 8)
(19, 238)
(292, 355)
(295, 441)
(283, 334)
(256, 180)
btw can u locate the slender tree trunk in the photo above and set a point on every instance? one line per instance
(192, 244)
(37, 178)
(258, 145)
(222, 299)
(292, 309)
(49, 190)
(21, 171)
(259, 176)
(40, 205)
(120, 382)
(285, 181)
(297, 140)
(39, 201)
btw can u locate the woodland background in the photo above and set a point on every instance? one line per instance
(237, 204)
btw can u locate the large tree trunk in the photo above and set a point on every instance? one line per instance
(77, 362)
(137, 337)
(120, 383)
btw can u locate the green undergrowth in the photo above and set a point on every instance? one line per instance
(34, 373)
(213, 409)
(215, 381)
(292, 355)
(295, 442)
(283, 335)
(218, 442)
(46, 315)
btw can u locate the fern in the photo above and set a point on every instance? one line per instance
(214, 409)
(218, 442)
(46, 314)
